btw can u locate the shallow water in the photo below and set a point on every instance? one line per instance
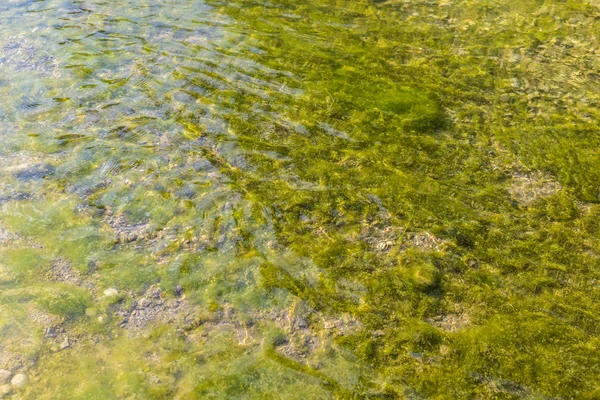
(300, 200)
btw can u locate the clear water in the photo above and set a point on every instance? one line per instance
(300, 200)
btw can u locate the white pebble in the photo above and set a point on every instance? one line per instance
(5, 390)
(65, 344)
(19, 381)
(111, 292)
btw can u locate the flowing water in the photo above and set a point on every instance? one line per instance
(315, 199)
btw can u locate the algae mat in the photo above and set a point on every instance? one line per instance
(299, 200)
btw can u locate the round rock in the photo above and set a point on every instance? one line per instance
(19, 381)
(5, 390)
(5, 376)
(91, 312)
(111, 292)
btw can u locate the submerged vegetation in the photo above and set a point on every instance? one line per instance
(300, 200)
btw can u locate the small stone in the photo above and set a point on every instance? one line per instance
(19, 381)
(171, 303)
(65, 344)
(111, 292)
(145, 303)
(91, 312)
(315, 364)
(280, 340)
(301, 323)
(5, 390)
(5, 376)
(444, 350)
(93, 266)
(178, 290)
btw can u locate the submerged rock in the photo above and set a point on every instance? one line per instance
(35, 172)
(152, 308)
(5, 376)
(19, 381)
(5, 198)
(91, 312)
(527, 188)
(5, 390)
(111, 292)
(65, 344)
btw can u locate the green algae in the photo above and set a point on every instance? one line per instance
(358, 199)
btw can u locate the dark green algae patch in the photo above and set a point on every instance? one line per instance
(391, 199)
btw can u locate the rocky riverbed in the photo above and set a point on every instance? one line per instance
(299, 200)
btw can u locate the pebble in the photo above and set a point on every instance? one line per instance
(51, 332)
(329, 325)
(93, 266)
(301, 323)
(111, 292)
(65, 344)
(444, 350)
(5, 376)
(145, 303)
(91, 312)
(19, 381)
(171, 303)
(5, 390)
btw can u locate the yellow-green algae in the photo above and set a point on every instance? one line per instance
(318, 199)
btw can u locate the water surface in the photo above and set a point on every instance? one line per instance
(300, 200)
